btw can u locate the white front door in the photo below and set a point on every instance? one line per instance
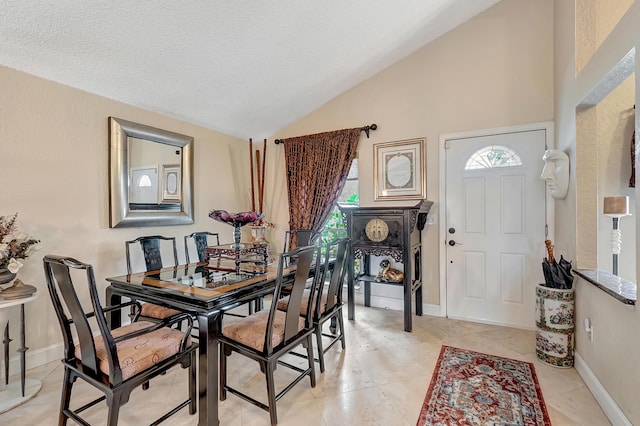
(495, 227)
(143, 188)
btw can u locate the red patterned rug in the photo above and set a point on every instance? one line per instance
(472, 388)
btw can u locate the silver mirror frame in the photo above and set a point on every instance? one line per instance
(120, 216)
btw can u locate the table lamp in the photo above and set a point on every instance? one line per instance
(616, 207)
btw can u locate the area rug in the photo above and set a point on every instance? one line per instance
(472, 388)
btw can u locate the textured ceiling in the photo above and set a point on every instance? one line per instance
(244, 68)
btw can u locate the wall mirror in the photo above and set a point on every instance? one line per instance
(150, 176)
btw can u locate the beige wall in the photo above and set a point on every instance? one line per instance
(54, 169)
(615, 124)
(613, 354)
(493, 71)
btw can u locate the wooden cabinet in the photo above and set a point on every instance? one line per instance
(387, 231)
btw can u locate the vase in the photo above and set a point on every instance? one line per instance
(258, 234)
(6, 276)
(555, 322)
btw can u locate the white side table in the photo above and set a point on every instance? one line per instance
(14, 394)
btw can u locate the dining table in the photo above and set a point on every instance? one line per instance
(206, 292)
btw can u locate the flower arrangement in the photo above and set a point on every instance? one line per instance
(14, 244)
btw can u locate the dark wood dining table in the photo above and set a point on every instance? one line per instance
(206, 293)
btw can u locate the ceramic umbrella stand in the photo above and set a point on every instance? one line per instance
(555, 334)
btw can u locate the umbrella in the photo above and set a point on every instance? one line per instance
(565, 270)
(556, 275)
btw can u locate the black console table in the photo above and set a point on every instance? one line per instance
(387, 231)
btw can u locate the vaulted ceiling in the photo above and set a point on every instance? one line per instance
(244, 68)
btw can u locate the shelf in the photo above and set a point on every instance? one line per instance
(620, 289)
(372, 279)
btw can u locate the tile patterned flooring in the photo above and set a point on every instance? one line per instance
(380, 379)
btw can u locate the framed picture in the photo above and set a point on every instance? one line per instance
(171, 183)
(399, 169)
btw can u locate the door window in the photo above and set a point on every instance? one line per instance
(493, 156)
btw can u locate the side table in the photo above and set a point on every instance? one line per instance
(14, 394)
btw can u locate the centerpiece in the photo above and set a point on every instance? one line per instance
(237, 220)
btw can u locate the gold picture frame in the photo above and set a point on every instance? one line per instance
(399, 170)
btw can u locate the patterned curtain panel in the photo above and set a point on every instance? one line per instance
(317, 168)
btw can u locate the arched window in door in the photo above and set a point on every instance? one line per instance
(493, 156)
(144, 180)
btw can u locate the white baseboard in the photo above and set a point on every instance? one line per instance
(36, 357)
(608, 405)
(398, 305)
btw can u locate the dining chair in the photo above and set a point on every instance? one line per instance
(152, 248)
(300, 237)
(269, 334)
(327, 301)
(297, 238)
(200, 240)
(113, 361)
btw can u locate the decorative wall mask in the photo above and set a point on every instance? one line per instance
(556, 172)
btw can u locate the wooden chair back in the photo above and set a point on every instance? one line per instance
(152, 251)
(335, 266)
(63, 294)
(201, 240)
(303, 257)
(299, 238)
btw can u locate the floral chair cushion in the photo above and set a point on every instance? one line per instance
(139, 353)
(151, 310)
(250, 331)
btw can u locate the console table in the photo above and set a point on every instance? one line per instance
(387, 231)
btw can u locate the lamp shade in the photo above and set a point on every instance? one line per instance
(616, 206)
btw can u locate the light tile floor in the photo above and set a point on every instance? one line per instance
(380, 379)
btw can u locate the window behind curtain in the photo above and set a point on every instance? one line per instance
(334, 227)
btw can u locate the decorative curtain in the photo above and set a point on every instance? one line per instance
(317, 168)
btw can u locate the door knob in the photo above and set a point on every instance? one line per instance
(453, 243)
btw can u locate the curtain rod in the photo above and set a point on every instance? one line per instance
(365, 129)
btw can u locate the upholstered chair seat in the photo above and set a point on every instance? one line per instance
(250, 331)
(150, 310)
(138, 353)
